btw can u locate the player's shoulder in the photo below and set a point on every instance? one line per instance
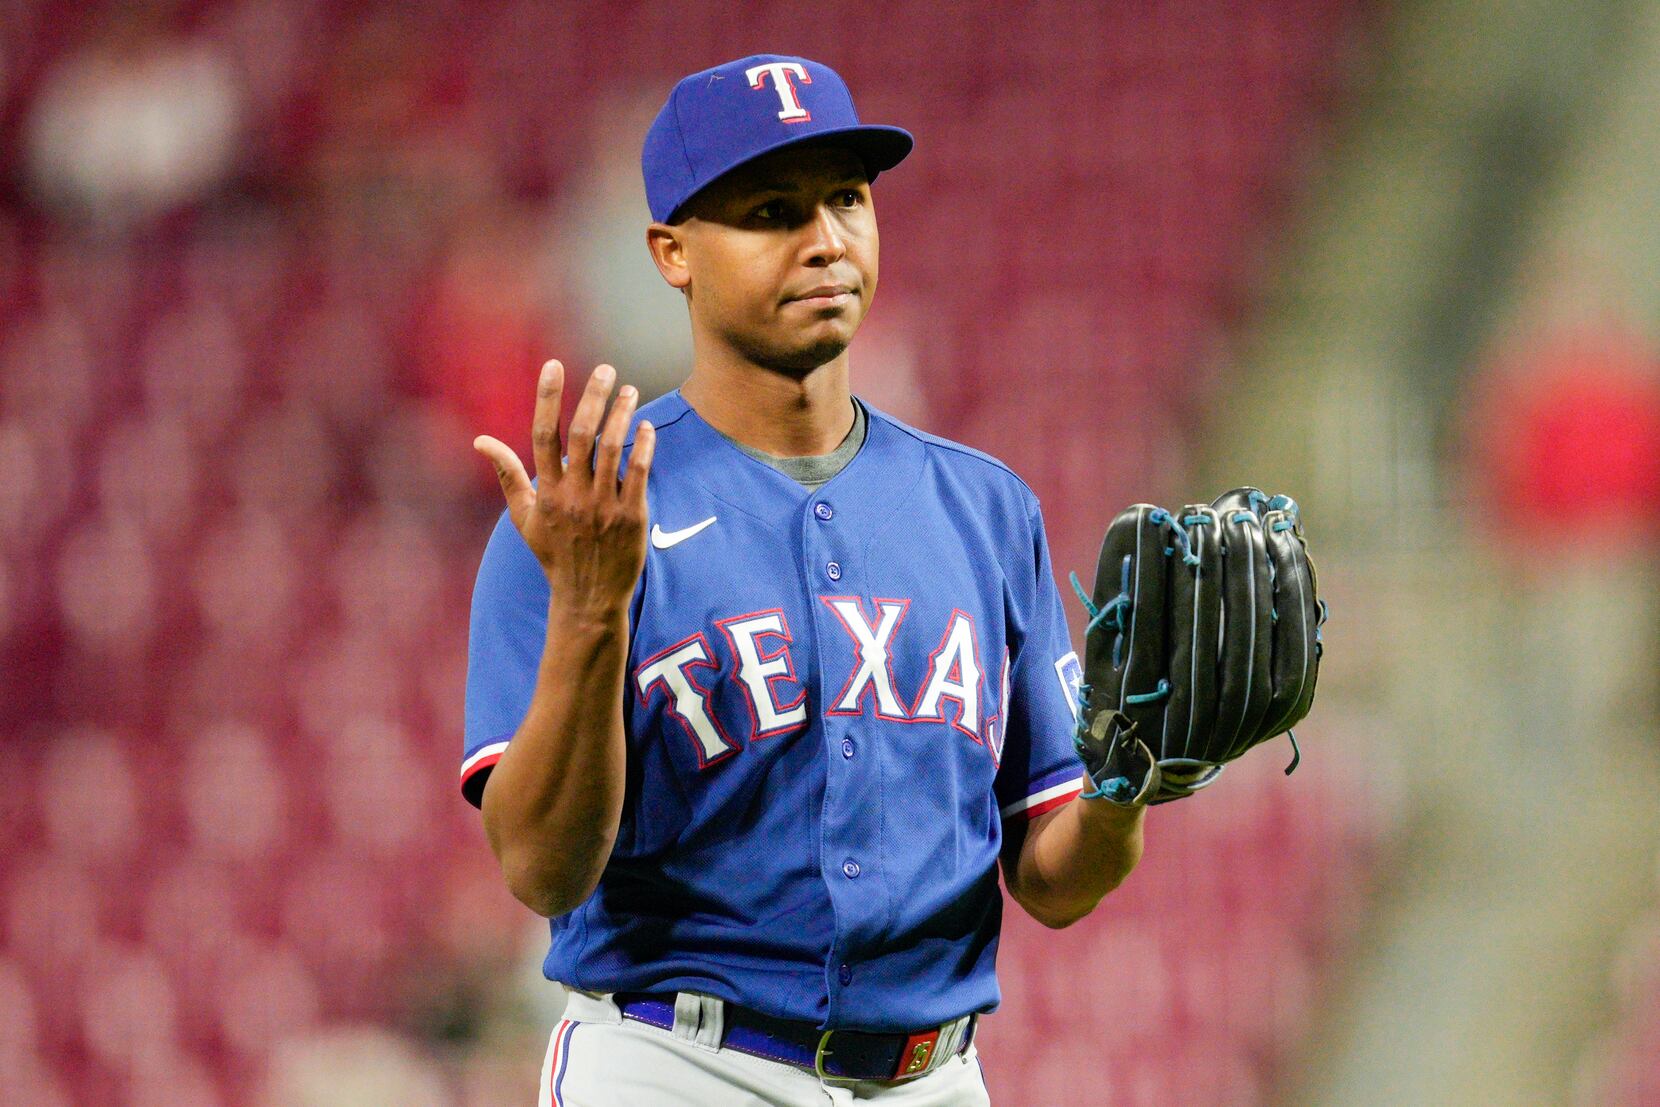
(964, 463)
(665, 412)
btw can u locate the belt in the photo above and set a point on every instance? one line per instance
(852, 1055)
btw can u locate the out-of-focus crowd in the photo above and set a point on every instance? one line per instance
(267, 267)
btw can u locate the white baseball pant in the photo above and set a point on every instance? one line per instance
(597, 1058)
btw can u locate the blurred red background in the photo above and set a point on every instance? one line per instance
(266, 268)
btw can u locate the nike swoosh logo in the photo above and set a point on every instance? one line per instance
(663, 539)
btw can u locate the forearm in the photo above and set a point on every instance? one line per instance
(553, 802)
(1074, 856)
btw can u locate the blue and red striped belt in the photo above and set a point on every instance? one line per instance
(850, 1055)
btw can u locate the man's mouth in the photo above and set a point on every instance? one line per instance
(826, 295)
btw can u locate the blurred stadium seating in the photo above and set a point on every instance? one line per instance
(242, 356)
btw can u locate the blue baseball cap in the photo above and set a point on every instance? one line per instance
(717, 120)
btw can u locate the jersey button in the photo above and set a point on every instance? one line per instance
(847, 747)
(850, 869)
(824, 511)
(833, 570)
(845, 973)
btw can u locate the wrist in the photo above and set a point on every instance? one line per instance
(574, 620)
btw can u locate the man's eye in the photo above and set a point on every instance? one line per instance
(772, 210)
(850, 198)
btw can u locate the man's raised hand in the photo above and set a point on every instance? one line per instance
(585, 526)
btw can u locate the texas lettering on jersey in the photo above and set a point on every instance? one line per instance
(757, 655)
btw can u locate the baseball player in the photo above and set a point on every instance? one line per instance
(758, 763)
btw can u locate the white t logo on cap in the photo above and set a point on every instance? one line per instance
(793, 111)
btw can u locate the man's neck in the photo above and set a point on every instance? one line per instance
(777, 413)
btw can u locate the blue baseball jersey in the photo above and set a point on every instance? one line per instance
(834, 700)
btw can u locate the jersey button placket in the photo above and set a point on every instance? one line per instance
(844, 827)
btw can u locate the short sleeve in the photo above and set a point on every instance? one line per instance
(1039, 769)
(508, 629)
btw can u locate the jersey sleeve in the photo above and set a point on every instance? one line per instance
(1039, 769)
(508, 629)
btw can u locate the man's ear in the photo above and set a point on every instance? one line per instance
(668, 250)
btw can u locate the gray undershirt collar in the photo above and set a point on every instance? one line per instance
(814, 471)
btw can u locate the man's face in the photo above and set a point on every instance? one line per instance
(781, 256)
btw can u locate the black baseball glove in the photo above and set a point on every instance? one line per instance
(1203, 641)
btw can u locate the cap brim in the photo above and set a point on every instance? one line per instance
(880, 147)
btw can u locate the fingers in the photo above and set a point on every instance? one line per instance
(1296, 619)
(544, 425)
(585, 423)
(1245, 680)
(639, 467)
(612, 437)
(584, 451)
(510, 471)
(1195, 634)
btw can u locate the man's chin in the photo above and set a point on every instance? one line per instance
(803, 359)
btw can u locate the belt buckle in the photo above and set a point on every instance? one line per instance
(820, 1054)
(919, 1057)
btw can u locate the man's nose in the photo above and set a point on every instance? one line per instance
(824, 238)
